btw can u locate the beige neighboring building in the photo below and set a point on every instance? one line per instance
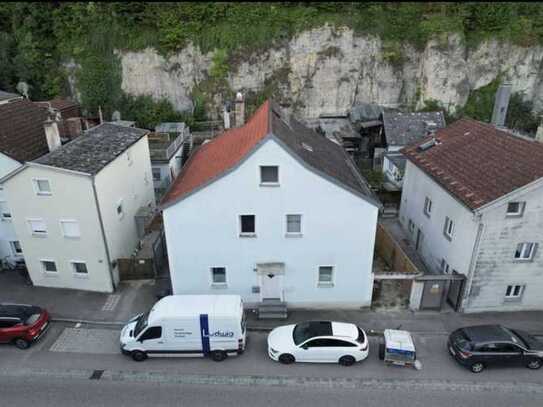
(74, 208)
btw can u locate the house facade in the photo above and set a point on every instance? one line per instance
(472, 204)
(74, 208)
(272, 211)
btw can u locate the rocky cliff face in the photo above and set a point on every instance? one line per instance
(328, 70)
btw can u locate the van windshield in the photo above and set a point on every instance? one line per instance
(243, 322)
(141, 324)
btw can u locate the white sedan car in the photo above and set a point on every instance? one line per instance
(318, 341)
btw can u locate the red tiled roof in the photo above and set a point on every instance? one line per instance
(478, 163)
(22, 135)
(219, 155)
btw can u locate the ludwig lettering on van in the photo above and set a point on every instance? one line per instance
(221, 334)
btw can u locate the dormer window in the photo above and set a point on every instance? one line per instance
(269, 175)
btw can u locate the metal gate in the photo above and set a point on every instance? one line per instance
(456, 289)
(433, 294)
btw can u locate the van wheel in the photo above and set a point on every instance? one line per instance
(21, 343)
(534, 364)
(477, 367)
(139, 356)
(218, 355)
(346, 360)
(381, 350)
(286, 359)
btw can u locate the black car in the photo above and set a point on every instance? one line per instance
(477, 347)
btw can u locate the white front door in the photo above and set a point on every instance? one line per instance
(271, 286)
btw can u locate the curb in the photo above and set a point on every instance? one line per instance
(87, 322)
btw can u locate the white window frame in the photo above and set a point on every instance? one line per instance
(74, 270)
(215, 284)
(512, 296)
(246, 234)
(448, 228)
(34, 233)
(326, 283)
(427, 207)
(62, 221)
(14, 249)
(523, 247)
(120, 203)
(268, 184)
(294, 234)
(519, 213)
(38, 191)
(46, 272)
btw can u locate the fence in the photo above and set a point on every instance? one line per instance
(391, 252)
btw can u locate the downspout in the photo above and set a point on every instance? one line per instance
(473, 261)
(108, 257)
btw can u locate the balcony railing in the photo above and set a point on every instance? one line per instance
(163, 149)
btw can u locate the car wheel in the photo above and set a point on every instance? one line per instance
(346, 360)
(218, 355)
(534, 364)
(286, 359)
(21, 343)
(477, 367)
(139, 356)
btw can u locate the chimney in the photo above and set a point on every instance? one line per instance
(500, 105)
(239, 110)
(226, 115)
(52, 134)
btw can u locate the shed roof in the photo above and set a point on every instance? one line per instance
(478, 163)
(91, 152)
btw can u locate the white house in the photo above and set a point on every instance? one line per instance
(23, 127)
(472, 203)
(169, 145)
(272, 211)
(73, 209)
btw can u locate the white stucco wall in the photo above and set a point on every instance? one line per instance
(7, 230)
(496, 267)
(202, 231)
(131, 183)
(71, 198)
(456, 252)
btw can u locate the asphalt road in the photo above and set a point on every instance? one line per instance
(47, 392)
(83, 365)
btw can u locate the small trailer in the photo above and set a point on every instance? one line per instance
(397, 348)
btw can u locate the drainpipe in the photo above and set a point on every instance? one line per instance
(108, 257)
(473, 261)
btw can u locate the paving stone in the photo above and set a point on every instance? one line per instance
(80, 340)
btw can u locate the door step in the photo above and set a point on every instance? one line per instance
(272, 309)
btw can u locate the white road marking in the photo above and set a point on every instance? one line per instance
(111, 302)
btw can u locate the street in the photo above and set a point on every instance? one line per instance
(87, 358)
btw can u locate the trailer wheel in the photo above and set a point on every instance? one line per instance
(218, 355)
(381, 350)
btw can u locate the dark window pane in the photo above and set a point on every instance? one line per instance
(219, 275)
(269, 174)
(247, 223)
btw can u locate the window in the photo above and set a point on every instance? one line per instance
(154, 332)
(70, 228)
(247, 224)
(16, 248)
(42, 187)
(218, 276)
(326, 276)
(448, 228)
(515, 208)
(294, 224)
(269, 175)
(6, 213)
(445, 267)
(525, 251)
(37, 227)
(49, 266)
(80, 268)
(427, 207)
(120, 211)
(411, 226)
(156, 174)
(514, 292)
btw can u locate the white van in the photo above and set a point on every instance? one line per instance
(187, 325)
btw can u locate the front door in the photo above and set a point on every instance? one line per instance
(271, 286)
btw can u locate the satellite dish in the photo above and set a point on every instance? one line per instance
(116, 116)
(23, 88)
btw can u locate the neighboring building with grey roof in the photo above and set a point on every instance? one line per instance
(401, 129)
(74, 208)
(6, 97)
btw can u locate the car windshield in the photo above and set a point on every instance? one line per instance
(141, 324)
(306, 330)
(32, 319)
(526, 340)
(461, 340)
(361, 337)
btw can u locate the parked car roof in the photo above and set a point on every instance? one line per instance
(487, 333)
(21, 311)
